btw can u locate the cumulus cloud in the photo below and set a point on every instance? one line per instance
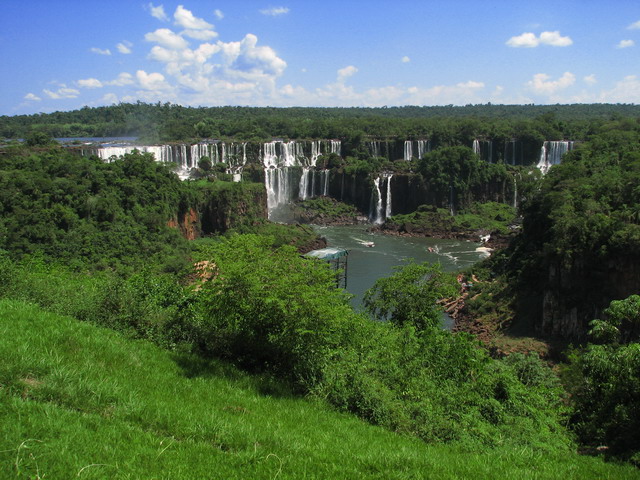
(185, 19)
(543, 85)
(200, 34)
(218, 14)
(634, 26)
(123, 79)
(590, 79)
(109, 98)
(555, 39)
(168, 38)
(62, 92)
(158, 12)
(526, 40)
(152, 81)
(90, 83)
(100, 51)
(625, 91)
(460, 93)
(32, 97)
(124, 47)
(405, 59)
(275, 11)
(246, 56)
(530, 40)
(346, 72)
(625, 44)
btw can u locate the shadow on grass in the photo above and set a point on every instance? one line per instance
(195, 366)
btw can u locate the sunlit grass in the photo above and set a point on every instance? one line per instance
(78, 401)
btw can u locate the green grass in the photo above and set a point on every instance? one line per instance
(80, 401)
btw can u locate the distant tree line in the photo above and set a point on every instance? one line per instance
(447, 124)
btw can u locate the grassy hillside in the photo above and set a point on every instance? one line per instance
(81, 401)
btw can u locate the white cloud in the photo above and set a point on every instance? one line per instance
(543, 85)
(62, 92)
(158, 12)
(555, 39)
(405, 59)
(200, 34)
(634, 26)
(246, 56)
(124, 47)
(625, 91)
(529, 40)
(32, 97)
(218, 13)
(152, 81)
(274, 11)
(590, 79)
(625, 44)
(166, 37)
(123, 79)
(346, 72)
(100, 51)
(458, 94)
(109, 98)
(186, 19)
(90, 83)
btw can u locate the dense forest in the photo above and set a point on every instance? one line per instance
(195, 266)
(170, 122)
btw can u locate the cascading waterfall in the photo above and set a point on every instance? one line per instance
(424, 146)
(476, 147)
(387, 212)
(236, 159)
(374, 148)
(408, 150)
(551, 153)
(380, 208)
(376, 203)
(336, 147)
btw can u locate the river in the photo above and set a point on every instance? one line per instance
(367, 264)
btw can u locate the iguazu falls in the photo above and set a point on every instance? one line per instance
(324, 240)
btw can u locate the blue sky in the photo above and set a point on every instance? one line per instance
(62, 55)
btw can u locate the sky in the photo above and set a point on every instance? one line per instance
(60, 55)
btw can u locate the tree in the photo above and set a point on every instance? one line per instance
(409, 296)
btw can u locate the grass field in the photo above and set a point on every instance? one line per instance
(78, 401)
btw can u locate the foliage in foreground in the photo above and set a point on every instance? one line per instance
(604, 379)
(80, 401)
(274, 311)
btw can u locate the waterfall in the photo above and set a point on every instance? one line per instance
(236, 156)
(336, 147)
(424, 146)
(375, 215)
(387, 212)
(380, 208)
(408, 150)
(476, 147)
(374, 148)
(551, 153)
(515, 193)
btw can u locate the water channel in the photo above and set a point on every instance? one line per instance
(367, 264)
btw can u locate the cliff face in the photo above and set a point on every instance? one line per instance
(188, 224)
(573, 297)
(408, 192)
(221, 207)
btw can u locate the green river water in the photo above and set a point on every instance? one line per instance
(366, 264)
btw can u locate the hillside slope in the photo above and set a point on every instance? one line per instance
(78, 400)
